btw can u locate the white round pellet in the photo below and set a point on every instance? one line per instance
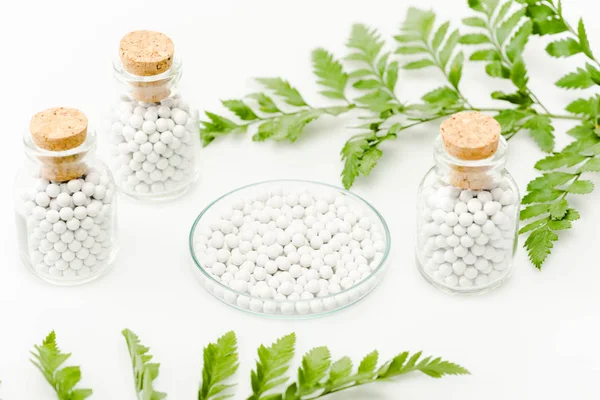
(438, 216)
(449, 256)
(459, 267)
(485, 196)
(507, 198)
(465, 282)
(465, 195)
(481, 264)
(446, 230)
(460, 208)
(459, 251)
(474, 230)
(465, 219)
(64, 200)
(489, 227)
(470, 272)
(451, 240)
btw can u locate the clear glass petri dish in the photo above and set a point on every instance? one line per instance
(303, 308)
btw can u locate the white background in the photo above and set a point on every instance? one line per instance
(534, 338)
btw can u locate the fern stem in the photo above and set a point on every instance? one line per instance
(441, 68)
(509, 63)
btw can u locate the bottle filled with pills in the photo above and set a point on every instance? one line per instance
(467, 208)
(153, 131)
(65, 200)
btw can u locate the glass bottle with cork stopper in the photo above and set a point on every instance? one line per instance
(467, 208)
(154, 133)
(65, 201)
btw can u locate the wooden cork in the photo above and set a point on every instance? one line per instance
(59, 129)
(470, 135)
(146, 53)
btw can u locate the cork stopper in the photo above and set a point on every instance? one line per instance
(146, 53)
(470, 135)
(60, 129)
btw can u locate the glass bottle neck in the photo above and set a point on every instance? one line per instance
(470, 174)
(149, 89)
(62, 165)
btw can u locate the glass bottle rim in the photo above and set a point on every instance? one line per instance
(172, 74)
(498, 159)
(35, 152)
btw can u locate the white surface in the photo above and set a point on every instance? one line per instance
(534, 338)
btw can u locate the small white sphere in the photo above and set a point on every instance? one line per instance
(465, 219)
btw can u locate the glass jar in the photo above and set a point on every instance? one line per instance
(154, 132)
(65, 201)
(467, 208)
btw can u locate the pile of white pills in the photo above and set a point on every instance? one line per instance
(153, 145)
(69, 225)
(298, 246)
(467, 237)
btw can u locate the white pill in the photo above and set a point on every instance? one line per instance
(438, 216)
(506, 198)
(488, 227)
(470, 258)
(465, 195)
(474, 230)
(446, 230)
(64, 200)
(451, 219)
(482, 264)
(470, 272)
(459, 267)
(477, 250)
(474, 205)
(444, 270)
(465, 219)
(451, 241)
(460, 208)
(467, 241)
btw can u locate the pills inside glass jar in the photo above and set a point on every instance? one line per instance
(153, 146)
(68, 226)
(467, 237)
(293, 250)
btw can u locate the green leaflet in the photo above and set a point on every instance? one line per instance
(563, 48)
(581, 187)
(485, 55)
(541, 130)
(496, 69)
(48, 358)
(550, 180)
(474, 38)
(272, 365)
(220, 363)
(239, 108)
(366, 41)
(286, 127)
(360, 155)
(580, 79)
(516, 45)
(265, 103)
(583, 40)
(144, 372)
(283, 89)
(330, 73)
(315, 365)
(539, 244)
(506, 28)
